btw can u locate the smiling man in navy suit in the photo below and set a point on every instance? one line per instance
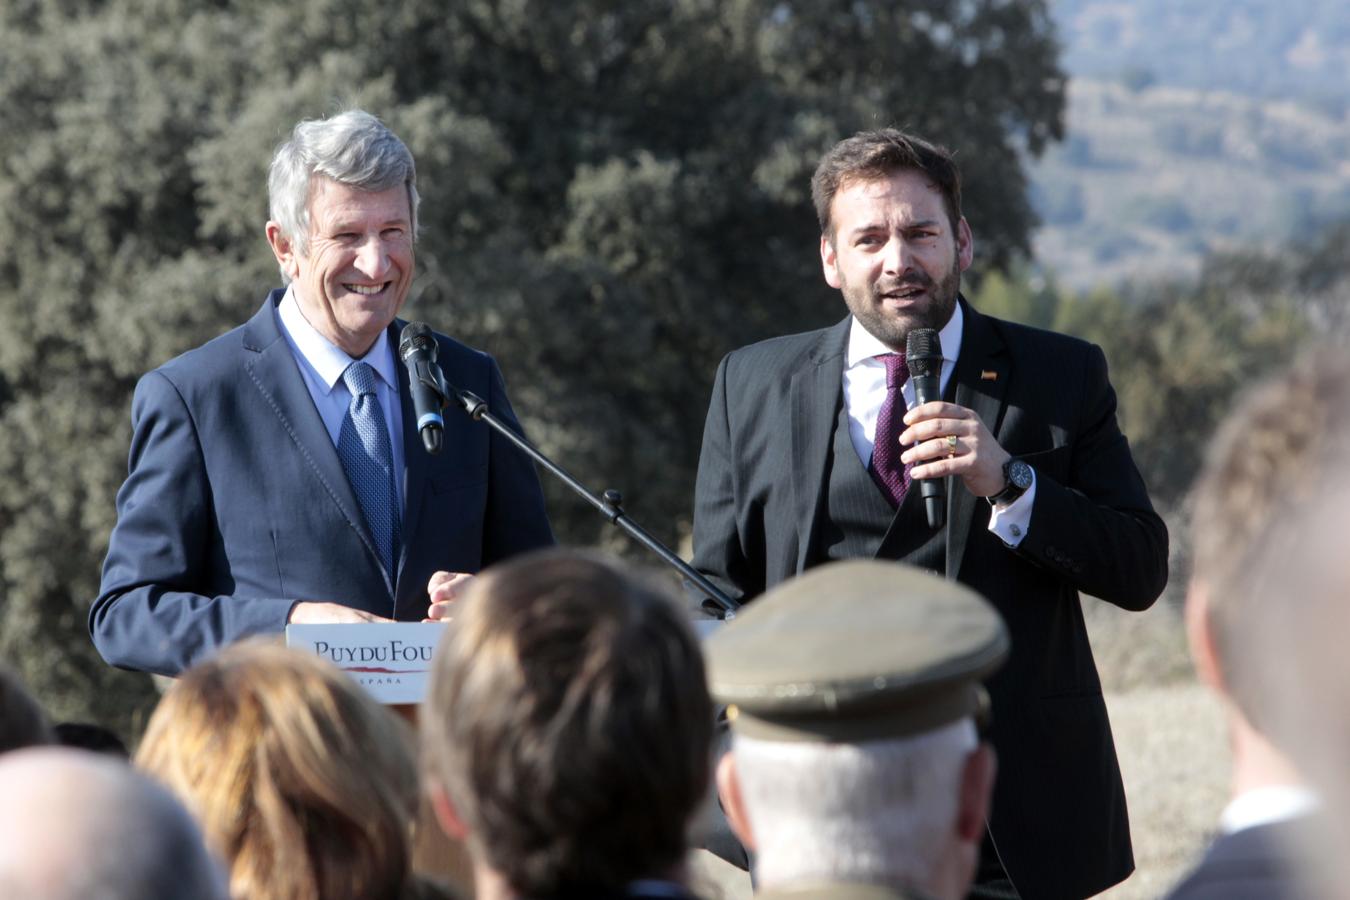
(276, 472)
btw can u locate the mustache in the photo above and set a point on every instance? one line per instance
(917, 279)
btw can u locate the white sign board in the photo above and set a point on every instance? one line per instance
(391, 660)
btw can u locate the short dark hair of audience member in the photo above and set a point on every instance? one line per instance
(877, 155)
(76, 825)
(568, 728)
(303, 784)
(22, 721)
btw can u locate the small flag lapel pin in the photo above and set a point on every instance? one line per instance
(988, 375)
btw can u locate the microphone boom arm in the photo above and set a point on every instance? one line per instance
(609, 506)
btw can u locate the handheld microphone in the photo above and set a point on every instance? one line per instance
(923, 355)
(417, 349)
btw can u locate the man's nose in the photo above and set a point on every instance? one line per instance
(372, 257)
(896, 256)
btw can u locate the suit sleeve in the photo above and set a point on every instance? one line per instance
(149, 614)
(721, 552)
(1097, 528)
(515, 519)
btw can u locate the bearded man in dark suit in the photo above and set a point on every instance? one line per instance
(1043, 498)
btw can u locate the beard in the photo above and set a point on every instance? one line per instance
(892, 327)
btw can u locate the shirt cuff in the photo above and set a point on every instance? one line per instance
(1010, 522)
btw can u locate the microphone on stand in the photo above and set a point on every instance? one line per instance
(431, 393)
(417, 349)
(923, 355)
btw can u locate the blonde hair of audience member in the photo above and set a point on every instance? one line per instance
(568, 728)
(22, 721)
(901, 812)
(301, 782)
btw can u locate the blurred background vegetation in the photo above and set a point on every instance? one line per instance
(615, 194)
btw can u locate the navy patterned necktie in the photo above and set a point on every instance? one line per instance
(886, 470)
(363, 447)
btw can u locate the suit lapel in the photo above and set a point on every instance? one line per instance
(271, 366)
(816, 392)
(982, 372)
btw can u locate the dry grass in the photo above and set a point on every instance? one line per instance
(1175, 761)
(1170, 737)
(1138, 649)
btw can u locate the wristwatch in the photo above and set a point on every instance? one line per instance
(1017, 478)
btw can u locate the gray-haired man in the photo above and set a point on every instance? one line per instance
(856, 771)
(276, 474)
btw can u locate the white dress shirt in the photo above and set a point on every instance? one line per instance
(1267, 805)
(322, 363)
(865, 393)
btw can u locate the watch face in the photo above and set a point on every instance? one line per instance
(1019, 474)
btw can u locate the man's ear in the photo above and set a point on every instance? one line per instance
(729, 790)
(965, 244)
(977, 789)
(1200, 636)
(283, 249)
(829, 260)
(449, 818)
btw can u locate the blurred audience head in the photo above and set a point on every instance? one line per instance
(1285, 446)
(303, 784)
(853, 692)
(1268, 605)
(568, 728)
(76, 825)
(22, 721)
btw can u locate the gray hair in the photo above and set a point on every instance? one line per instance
(878, 812)
(353, 148)
(76, 825)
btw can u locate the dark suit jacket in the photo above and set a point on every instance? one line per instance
(1059, 817)
(1251, 864)
(237, 506)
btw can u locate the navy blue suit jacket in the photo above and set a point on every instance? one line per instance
(237, 506)
(1260, 863)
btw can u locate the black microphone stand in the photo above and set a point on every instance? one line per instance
(609, 506)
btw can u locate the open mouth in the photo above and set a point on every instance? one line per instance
(367, 289)
(904, 292)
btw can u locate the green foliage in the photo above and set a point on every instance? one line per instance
(615, 194)
(1181, 350)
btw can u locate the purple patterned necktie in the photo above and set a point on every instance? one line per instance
(891, 475)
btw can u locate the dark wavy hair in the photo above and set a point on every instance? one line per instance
(870, 155)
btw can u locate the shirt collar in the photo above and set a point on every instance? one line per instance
(863, 345)
(1263, 806)
(328, 360)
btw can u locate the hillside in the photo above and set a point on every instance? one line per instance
(1258, 48)
(1147, 182)
(1192, 128)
